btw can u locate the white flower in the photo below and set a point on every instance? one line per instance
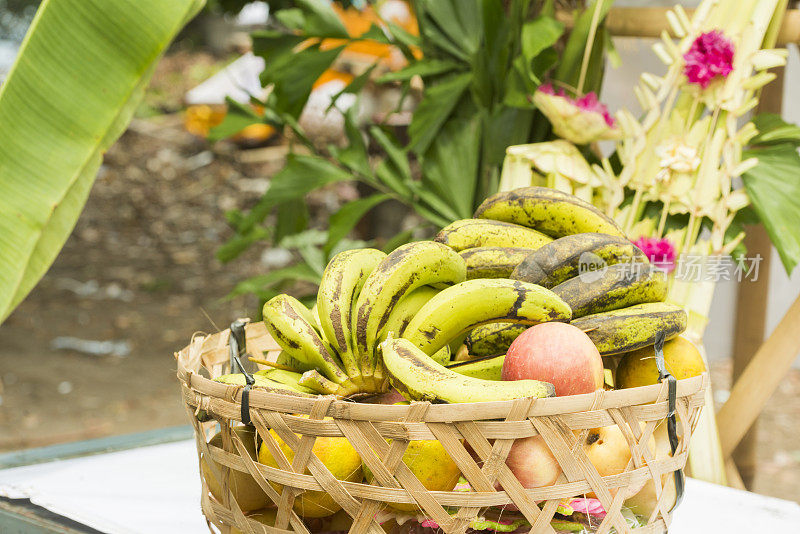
(676, 156)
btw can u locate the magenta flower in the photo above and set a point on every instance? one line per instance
(710, 55)
(660, 252)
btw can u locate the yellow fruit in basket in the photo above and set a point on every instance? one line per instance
(638, 368)
(430, 463)
(644, 502)
(265, 517)
(609, 452)
(337, 455)
(247, 493)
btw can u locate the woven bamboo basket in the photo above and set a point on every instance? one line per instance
(489, 429)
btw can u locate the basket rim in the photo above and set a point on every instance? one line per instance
(349, 409)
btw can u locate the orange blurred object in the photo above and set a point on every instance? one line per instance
(199, 119)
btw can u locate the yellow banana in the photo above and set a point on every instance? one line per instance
(282, 376)
(338, 292)
(237, 379)
(471, 233)
(417, 377)
(571, 255)
(549, 211)
(408, 267)
(405, 310)
(285, 318)
(493, 262)
(464, 306)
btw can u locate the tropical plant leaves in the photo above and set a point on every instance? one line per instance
(437, 104)
(79, 77)
(301, 175)
(344, 220)
(774, 190)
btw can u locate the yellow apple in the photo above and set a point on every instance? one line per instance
(608, 450)
(245, 489)
(532, 462)
(644, 502)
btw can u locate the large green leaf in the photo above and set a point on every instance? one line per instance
(773, 129)
(79, 76)
(774, 190)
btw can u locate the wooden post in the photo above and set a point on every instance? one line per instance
(751, 305)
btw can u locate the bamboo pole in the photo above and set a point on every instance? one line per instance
(649, 22)
(759, 380)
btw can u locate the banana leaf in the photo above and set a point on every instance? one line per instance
(81, 71)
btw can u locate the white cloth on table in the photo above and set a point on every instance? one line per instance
(154, 490)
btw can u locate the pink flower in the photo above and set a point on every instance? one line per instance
(660, 252)
(578, 120)
(589, 507)
(710, 55)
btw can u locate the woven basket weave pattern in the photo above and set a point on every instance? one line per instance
(488, 428)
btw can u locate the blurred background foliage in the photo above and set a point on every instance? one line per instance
(454, 84)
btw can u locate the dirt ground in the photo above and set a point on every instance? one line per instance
(139, 269)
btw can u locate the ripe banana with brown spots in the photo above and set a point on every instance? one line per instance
(408, 267)
(634, 327)
(617, 286)
(338, 292)
(405, 310)
(493, 338)
(568, 256)
(493, 262)
(286, 321)
(417, 377)
(471, 233)
(549, 211)
(464, 306)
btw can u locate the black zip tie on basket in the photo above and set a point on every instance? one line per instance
(672, 425)
(238, 347)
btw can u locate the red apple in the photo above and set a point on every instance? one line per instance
(558, 353)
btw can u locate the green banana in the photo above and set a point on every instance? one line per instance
(493, 338)
(289, 378)
(633, 327)
(549, 211)
(493, 262)
(618, 286)
(237, 379)
(570, 255)
(408, 267)
(464, 306)
(487, 369)
(417, 377)
(472, 233)
(285, 318)
(339, 288)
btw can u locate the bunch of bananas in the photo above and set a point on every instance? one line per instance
(395, 319)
